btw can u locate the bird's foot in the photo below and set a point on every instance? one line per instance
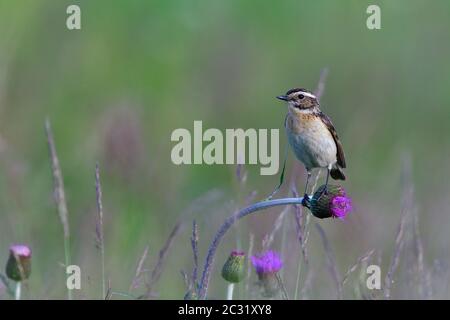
(305, 201)
(324, 191)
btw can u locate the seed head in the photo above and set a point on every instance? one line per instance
(333, 202)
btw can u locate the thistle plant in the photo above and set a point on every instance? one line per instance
(229, 222)
(333, 202)
(233, 271)
(18, 267)
(267, 266)
(326, 207)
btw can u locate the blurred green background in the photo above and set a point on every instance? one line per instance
(116, 89)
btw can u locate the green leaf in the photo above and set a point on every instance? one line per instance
(274, 192)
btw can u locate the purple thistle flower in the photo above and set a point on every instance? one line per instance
(333, 202)
(20, 250)
(267, 263)
(340, 206)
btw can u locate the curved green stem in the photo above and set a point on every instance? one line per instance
(206, 275)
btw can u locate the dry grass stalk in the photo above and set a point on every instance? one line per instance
(59, 195)
(395, 260)
(99, 226)
(301, 228)
(139, 270)
(194, 245)
(251, 244)
(321, 85)
(331, 261)
(157, 270)
(269, 238)
(362, 259)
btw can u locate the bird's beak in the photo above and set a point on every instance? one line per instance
(284, 98)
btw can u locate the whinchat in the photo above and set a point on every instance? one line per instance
(312, 135)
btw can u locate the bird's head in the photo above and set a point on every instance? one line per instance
(299, 99)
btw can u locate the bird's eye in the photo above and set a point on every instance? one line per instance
(300, 96)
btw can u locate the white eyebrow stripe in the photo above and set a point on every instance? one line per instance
(307, 94)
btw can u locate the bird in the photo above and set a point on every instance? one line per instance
(312, 136)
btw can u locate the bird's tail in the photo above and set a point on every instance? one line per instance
(337, 174)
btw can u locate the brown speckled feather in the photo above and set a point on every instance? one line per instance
(340, 150)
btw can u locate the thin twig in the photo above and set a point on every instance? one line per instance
(59, 196)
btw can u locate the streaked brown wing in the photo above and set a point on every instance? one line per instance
(340, 150)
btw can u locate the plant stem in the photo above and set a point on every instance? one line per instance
(297, 283)
(67, 261)
(18, 290)
(59, 195)
(283, 287)
(103, 273)
(230, 291)
(226, 226)
(100, 236)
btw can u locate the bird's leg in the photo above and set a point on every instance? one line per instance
(325, 189)
(307, 181)
(306, 196)
(326, 181)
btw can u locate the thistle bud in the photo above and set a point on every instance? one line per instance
(233, 269)
(18, 267)
(267, 266)
(334, 202)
